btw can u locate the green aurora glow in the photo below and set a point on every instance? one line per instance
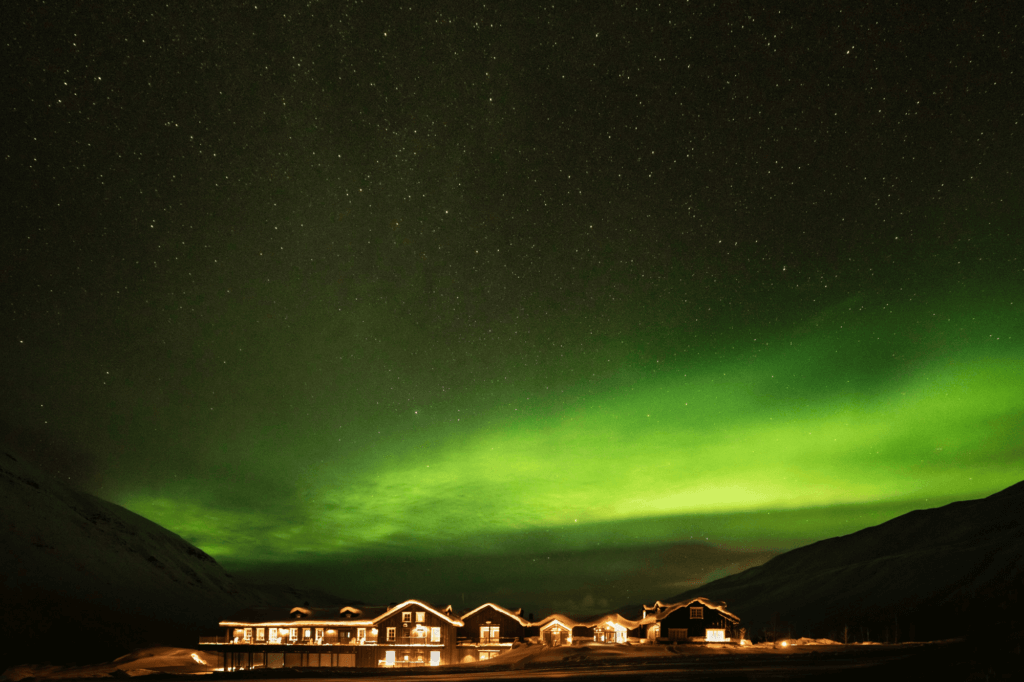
(528, 302)
(826, 419)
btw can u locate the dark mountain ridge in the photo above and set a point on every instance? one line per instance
(949, 571)
(85, 580)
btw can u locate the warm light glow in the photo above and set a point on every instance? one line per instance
(785, 643)
(714, 635)
(197, 659)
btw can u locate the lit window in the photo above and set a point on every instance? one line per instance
(293, 634)
(361, 634)
(389, 658)
(407, 616)
(248, 634)
(715, 635)
(261, 634)
(391, 634)
(435, 658)
(696, 613)
(319, 633)
(421, 616)
(305, 633)
(435, 635)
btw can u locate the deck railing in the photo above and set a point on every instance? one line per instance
(491, 641)
(400, 641)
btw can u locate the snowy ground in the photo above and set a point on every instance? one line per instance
(170, 660)
(805, 659)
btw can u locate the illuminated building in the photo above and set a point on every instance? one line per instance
(698, 619)
(410, 634)
(414, 633)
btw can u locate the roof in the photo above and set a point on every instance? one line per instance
(557, 618)
(516, 615)
(346, 615)
(615, 619)
(444, 613)
(660, 609)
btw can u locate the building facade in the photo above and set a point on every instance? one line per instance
(415, 633)
(699, 619)
(410, 634)
(489, 630)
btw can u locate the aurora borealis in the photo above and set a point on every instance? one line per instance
(565, 305)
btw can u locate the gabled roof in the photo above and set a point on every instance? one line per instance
(444, 613)
(346, 615)
(560, 618)
(615, 619)
(660, 609)
(517, 614)
(302, 615)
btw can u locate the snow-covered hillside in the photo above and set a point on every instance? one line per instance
(84, 580)
(950, 571)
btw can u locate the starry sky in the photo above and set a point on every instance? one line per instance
(564, 305)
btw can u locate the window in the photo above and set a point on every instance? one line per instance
(484, 655)
(261, 634)
(435, 635)
(391, 634)
(490, 633)
(435, 658)
(421, 616)
(305, 633)
(248, 634)
(361, 634)
(319, 633)
(715, 635)
(389, 657)
(407, 616)
(293, 634)
(696, 613)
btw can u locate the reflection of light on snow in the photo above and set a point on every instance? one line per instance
(195, 657)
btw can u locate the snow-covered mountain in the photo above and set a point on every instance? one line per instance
(83, 580)
(950, 571)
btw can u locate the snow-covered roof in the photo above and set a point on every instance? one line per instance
(618, 621)
(441, 613)
(660, 609)
(285, 617)
(517, 614)
(557, 619)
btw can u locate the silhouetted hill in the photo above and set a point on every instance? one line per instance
(84, 580)
(949, 571)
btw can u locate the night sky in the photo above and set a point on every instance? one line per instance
(564, 305)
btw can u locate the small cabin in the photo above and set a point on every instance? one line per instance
(557, 630)
(698, 619)
(488, 630)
